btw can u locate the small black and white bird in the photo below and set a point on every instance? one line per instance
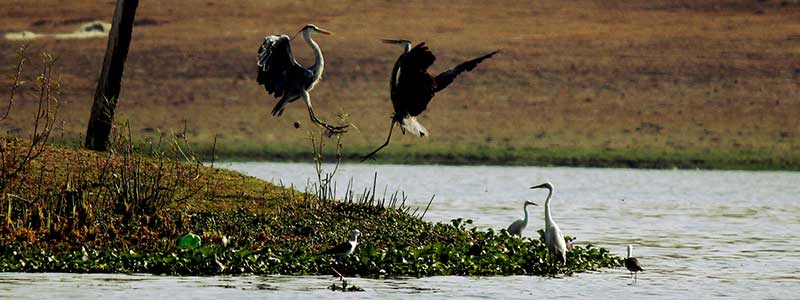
(632, 264)
(518, 226)
(345, 249)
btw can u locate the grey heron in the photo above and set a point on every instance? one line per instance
(518, 226)
(345, 249)
(412, 88)
(552, 234)
(632, 264)
(284, 78)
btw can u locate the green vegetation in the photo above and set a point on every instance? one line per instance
(73, 221)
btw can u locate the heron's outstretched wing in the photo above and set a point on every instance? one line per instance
(278, 71)
(415, 87)
(445, 78)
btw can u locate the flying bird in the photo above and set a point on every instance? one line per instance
(412, 88)
(344, 249)
(518, 226)
(552, 234)
(632, 264)
(287, 80)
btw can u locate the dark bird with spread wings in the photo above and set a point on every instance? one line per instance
(412, 88)
(287, 80)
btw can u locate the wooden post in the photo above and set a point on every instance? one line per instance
(109, 85)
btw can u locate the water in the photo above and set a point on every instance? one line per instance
(698, 234)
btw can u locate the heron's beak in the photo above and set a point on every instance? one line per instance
(323, 31)
(388, 41)
(539, 186)
(532, 203)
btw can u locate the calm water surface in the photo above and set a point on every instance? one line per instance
(699, 235)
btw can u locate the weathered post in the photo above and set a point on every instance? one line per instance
(109, 85)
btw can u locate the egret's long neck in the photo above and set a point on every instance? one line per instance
(319, 62)
(547, 217)
(630, 249)
(525, 208)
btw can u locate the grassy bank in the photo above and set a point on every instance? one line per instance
(72, 210)
(708, 84)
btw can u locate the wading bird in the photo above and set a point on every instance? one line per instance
(412, 88)
(344, 249)
(632, 264)
(284, 78)
(518, 226)
(552, 234)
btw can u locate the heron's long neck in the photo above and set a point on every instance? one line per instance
(547, 217)
(319, 62)
(629, 251)
(354, 239)
(396, 68)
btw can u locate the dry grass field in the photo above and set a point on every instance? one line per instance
(621, 83)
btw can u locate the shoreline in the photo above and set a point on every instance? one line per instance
(540, 161)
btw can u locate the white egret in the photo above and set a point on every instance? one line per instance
(632, 264)
(552, 234)
(345, 249)
(518, 226)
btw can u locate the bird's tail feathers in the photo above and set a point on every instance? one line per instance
(411, 125)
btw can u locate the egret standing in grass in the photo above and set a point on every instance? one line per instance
(412, 87)
(284, 78)
(632, 264)
(518, 226)
(552, 234)
(345, 249)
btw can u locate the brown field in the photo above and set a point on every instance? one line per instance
(638, 83)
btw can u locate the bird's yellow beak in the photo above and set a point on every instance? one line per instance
(323, 31)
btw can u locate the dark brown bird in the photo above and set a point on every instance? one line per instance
(632, 264)
(412, 88)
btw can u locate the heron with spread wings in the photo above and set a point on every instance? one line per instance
(412, 88)
(287, 80)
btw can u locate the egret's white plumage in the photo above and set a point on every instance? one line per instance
(518, 226)
(552, 234)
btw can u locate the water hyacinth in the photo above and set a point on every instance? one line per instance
(483, 253)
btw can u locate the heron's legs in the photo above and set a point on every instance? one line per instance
(371, 154)
(331, 129)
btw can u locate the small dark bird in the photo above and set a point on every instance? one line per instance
(632, 264)
(284, 78)
(345, 249)
(412, 88)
